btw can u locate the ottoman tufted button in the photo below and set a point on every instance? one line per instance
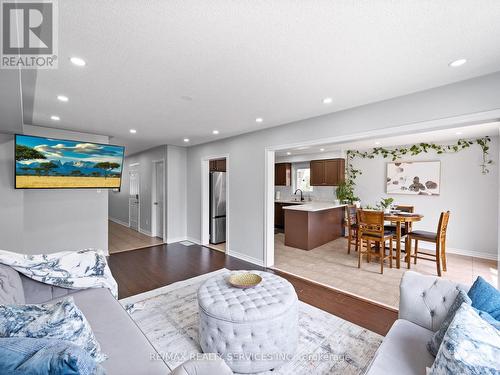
(432, 312)
(444, 299)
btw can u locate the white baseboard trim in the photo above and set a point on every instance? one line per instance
(469, 253)
(246, 258)
(118, 221)
(192, 239)
(178, 239)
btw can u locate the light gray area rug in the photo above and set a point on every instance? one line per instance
(168, 316)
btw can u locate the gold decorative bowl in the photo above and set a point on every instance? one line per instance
(244, 280)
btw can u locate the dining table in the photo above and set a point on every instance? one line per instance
(399, 219)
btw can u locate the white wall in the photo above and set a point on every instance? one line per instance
(465, 191)
(176, 193)
(45, 221)
(247, 189)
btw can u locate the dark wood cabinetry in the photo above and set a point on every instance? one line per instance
(218, 165)
(282, 174)
(329, 172)
(279, 213)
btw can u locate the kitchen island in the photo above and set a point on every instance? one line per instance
(313, 224)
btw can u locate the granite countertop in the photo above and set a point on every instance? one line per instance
(289, 201)
(314, 206)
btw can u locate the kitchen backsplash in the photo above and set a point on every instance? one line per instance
(319, 193)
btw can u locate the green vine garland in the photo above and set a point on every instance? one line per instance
(400, 152)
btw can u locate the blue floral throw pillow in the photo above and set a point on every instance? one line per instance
(470, 346)
(25, 355)
(435, 342)
(62, 320)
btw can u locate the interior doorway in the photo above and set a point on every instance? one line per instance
(215, 203)
(157, 200)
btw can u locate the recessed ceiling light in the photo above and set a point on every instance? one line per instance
(78, 61)
(457, 63)
(186, 140)
(215, 132)
(289, 153)
(133, 131)
(322, 149)
(377, 143)
(259, 119)
(55, 118)
(327, 100)
(458, 133)
(62, 98)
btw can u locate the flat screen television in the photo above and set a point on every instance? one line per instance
(48, 163)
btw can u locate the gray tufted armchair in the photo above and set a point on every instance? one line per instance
(423, 305)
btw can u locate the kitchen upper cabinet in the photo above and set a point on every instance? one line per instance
(282, 174)
(329, 172)
(218, 165)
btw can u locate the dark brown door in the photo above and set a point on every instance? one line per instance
(218, 165)
(282, 174)
(317, 172)
(278, 215)
(331, 172)
(221, 165)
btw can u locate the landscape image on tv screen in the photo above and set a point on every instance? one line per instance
(46, 163)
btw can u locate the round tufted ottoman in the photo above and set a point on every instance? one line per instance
(254, 329)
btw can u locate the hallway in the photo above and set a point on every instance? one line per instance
(122, 238)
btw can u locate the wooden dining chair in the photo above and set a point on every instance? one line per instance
(438, 238)
(352, 227)
(371, 229)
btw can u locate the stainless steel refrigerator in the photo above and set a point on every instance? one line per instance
(217, 207)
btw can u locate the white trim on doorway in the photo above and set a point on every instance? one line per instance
(205, 199)
(412, 128)
(154, 229)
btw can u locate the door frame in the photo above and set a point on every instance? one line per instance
(412, 128)
(154, 225)
(205, 199)
(138, 200)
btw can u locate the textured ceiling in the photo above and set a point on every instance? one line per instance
(238, 60)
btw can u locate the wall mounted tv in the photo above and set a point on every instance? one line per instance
(47, 163)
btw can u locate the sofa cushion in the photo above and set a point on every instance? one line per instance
(11, 288)
(470, 347)
(128, 350)
(403, 350)
(26, 355)
(435, 342)
(485, 297)
(37, 292)
(61, 320)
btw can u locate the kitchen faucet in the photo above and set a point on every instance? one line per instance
(301, 196)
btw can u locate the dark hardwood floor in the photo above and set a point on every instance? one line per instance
(141, 270)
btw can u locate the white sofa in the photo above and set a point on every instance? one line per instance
(424, 303)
